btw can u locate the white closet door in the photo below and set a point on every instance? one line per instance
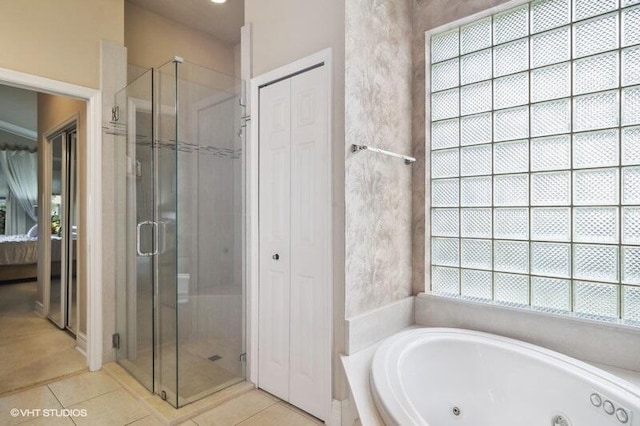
(310, 209)
(275, 201)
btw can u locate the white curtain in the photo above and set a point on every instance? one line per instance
(16, 219)
(20, 169)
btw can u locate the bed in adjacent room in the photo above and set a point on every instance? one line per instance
(18, 257)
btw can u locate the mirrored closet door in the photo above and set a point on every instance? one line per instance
(63, 290)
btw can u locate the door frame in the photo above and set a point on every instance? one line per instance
(322, 58)
(93, 98)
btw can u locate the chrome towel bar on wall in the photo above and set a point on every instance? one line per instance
(357, 148)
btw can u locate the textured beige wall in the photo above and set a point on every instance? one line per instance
(378, 188)
(152, 40)
(385, 107)
(53, 111)
(282, 32)
(427, 15)
(59, 39)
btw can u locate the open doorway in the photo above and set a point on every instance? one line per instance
(41, 259)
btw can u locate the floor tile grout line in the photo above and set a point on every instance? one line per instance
(273, 402)
(54, 394)
(9, 340)
(85, 400)
(141, 418)
(139, 398)
(157, 414)
(46, 382)
(120, 388)
(18, 305)
(299, 411)
(284, 405)
(94, 397)
(252, 416)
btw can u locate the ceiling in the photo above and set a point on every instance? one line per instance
(223, 21)
(18, 123)
(18, 118)
(19, 107)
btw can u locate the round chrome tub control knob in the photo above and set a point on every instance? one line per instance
(608, 407)
(622, 415)
(596, 400)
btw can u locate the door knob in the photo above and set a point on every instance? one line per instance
(275, 256)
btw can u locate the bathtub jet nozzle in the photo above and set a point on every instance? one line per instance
(560, 421)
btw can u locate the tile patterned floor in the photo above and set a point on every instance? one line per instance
(32, 349)
(106, 401)
(40, 369)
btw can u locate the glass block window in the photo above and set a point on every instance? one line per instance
(535, 159)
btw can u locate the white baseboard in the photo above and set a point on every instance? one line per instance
(335, 418)
(81, 343)
(349, 413)
(39, 309)
(343, 413)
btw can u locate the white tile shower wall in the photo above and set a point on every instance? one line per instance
(209, 198)
(378, 188)
(585, 340)
(218, 215)
(371, 327)
(214, 314)
(427, 15)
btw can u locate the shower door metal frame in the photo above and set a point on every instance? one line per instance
(133, 106)
(158, 229)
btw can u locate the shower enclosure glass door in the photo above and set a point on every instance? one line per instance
(179, 244)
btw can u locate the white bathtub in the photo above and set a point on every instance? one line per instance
(440, 376)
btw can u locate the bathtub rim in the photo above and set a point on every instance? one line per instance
(387, 404)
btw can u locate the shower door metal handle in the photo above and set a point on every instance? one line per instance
(139, 244)
(155, 238)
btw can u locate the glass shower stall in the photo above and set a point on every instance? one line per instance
(179, 203)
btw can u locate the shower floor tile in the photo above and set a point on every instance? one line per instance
(198, 375)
